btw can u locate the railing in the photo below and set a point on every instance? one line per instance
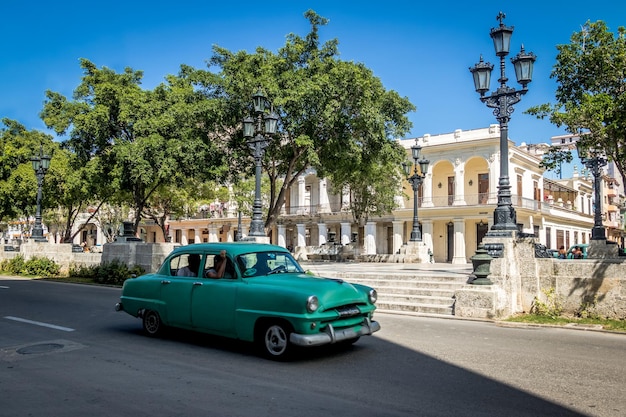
(468, 200)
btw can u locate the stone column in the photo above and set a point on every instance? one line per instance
(213, 233)
(459, 242)
(459, 183)
(427, 233)
(494, 177)
(322, 233)
(282, 235)
(301, 194)
(398, 228)
(346, 233)
(301, 235)
(370, 238)
(427, 190)
(323, 197)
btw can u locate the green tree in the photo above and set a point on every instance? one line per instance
(591, 94)
(144, 141)
(331, 112)
(18, 185)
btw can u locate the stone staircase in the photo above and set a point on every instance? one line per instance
(411, 293)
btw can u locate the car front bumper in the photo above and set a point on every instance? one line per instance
(330, 335)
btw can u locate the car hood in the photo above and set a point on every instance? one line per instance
(329, 291)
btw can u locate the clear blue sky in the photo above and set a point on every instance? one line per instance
(421, 49)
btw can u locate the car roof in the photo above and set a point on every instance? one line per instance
(231, 248)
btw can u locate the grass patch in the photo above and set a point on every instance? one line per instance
(607, 324)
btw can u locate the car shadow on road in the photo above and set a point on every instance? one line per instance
(403, 381)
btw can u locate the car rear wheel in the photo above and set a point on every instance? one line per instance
(273, 340)
(152, 323)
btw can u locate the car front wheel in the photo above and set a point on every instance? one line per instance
(152, 323)
(274, 340)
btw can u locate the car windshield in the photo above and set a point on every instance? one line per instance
(265, 263)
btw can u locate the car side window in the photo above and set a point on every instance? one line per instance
(211, 266)
(185, 265)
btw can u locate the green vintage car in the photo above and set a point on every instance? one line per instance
(263, 296)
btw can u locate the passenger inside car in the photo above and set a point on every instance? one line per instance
(218, 269)
(191, 270)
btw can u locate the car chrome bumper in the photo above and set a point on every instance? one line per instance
(330, 335)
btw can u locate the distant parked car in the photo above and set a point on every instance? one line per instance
(264, 296)
(570, 252)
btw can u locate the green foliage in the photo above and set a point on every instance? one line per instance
(554, 159)
(18, 185)
(552, 307)
(591, 85)
(588, 309)
(35, 266)
(329, 110)
(111, 273)
(606, 324)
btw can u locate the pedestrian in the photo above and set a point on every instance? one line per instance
(577, 252)
(562, 254)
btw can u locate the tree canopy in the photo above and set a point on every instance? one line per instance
(334, 116)
(156, 151)
(591, 94)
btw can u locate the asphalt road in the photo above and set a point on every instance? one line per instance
(64, 351)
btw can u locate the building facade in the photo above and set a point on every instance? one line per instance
(456, 202)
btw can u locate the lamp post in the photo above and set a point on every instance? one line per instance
(41, 164)
(258, 141)
(502, 101)
(594, 161)
(416, 180)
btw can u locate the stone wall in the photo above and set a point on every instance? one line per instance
(62, 254)
(519, 278)
(149, 256)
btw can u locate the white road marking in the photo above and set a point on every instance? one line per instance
(3, 287)
(39, 323)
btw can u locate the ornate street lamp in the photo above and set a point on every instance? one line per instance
(502, 101)
(41, 164)
(257, 141)
(594, 160)
(416, 180)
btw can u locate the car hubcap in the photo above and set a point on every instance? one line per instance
(275, 340)
(152, 323)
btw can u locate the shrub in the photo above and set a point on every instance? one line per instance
(42, 267)
(553, 307)
(111, 273)
(14, 265)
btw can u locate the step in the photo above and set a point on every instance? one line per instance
(416, 308)
(420, 295)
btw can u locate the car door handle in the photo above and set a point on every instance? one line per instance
(165, 282)
(197, 283)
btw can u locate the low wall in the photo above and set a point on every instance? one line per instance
(62, 254)
(518, 277)
(148, 256)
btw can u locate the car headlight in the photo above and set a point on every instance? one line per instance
(312, 304)
(373, 296)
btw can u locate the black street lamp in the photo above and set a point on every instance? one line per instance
(593, 160)
(257, 141)
(416, 180)
(502, 101)
(41, 164)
